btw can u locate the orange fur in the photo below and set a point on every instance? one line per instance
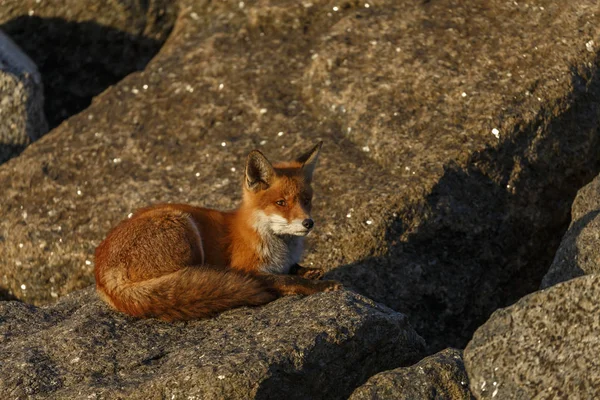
(176, 261)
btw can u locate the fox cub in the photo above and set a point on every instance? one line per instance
(178, 262)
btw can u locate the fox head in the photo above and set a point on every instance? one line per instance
(280, 194)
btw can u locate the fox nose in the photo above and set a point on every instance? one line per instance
(308, 223)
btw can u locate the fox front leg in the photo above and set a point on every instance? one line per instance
(286, 285)
(308, 273)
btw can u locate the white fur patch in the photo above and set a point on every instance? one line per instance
(281, 226)
(198, 236)
(282, 242)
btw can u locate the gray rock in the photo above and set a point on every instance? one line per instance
(587, 200)
(447, 222)
(81, 48)
(317, 347)
(441, 376)
(545, 346)
(22, 117)
(579, 251)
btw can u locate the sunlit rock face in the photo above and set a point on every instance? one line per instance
(318, 347)
(545, 346)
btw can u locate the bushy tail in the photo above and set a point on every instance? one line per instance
(188, 293)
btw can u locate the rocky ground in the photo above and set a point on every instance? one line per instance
(293, 348)
(457, 136)
(440, 376)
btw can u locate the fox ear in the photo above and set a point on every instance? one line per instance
(309, 161)
(259, 171)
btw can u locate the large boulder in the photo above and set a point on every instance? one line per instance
(579, 251)
(82, 47)
(456, 135)
(318, 347)
(441, 376)
(545, 346)
(22, 118)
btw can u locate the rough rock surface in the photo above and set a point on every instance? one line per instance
(318, 347)
(441, 376)
(22, 118)
(456, 137)
(82, 47)
(545, 346)
(579, 251)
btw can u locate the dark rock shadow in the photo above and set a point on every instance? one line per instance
(8, 151)
(488, 231)
(78, 60)
(5, 295)
(286, 382)
(566, 265)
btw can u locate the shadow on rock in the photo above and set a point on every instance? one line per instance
(285, 382)
(8, 151)
(78, 60)
(5, 295)
(488, 231)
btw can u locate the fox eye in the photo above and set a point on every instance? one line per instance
(280, 203)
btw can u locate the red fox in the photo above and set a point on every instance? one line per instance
(179, 262)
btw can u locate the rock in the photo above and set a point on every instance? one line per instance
(579, 252)
(418, 204)
(545, 346)
(22, 117)
(82, 48)
(317, 347)
(587, 200)
(440, 376)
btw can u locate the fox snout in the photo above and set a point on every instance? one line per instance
(305, 227)
(280, 225)
(296, 227)
(308, 223)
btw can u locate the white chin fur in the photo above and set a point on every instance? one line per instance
(282, 242)
(305, 232)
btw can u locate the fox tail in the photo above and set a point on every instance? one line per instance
(188, 293)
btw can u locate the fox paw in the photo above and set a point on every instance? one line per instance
(312, 273)
(331, 286)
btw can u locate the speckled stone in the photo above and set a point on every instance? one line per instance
(441, 376)
(418, 204)
(545, 346)
(317, 347)
(22, 118)
(83, 47)
(579, 251)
